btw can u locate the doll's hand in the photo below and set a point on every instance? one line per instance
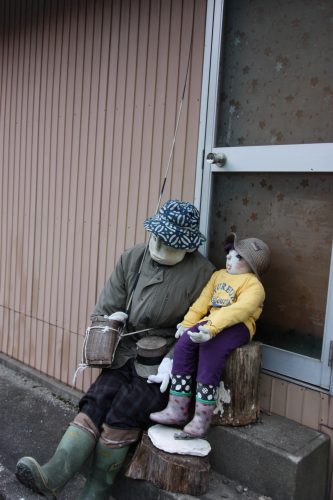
(180, 330)
(163, 374)
(203, 335)
(118, 316)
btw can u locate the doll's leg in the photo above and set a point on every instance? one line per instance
(132, 406)
(214, 353)
(97, 401)
(212, 357)
(185, 356)
(177, 409)
(79, 440)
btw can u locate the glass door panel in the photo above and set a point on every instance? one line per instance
(270, 109)
(276, 73)
(293, 213)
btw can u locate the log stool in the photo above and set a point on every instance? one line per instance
(186, 474)
(238, 400)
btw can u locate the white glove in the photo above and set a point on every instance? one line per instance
(203, 335)
(163, 374)
(117, 316)
(180, 330)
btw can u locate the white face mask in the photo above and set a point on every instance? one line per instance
(235, 264)
(163, 254)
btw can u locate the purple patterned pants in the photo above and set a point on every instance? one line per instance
(207, 360)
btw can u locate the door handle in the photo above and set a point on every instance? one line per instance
(217, 159)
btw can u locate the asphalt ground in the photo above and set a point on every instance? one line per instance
(35, 411)
(32, 421)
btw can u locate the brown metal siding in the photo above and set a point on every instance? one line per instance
(89, 97)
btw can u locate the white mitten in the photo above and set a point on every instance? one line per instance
(180, 330)
(163, 374)
(117, 316)
(203, 335)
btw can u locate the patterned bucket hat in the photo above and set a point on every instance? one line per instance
(177, 224)
(256, 253)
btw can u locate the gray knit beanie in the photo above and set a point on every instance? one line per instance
(256, 253)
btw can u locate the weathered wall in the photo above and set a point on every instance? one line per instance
(89, 96)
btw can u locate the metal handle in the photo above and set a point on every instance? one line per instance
(217, 159)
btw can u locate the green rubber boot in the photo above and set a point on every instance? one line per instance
(107, 462)
(74, 448)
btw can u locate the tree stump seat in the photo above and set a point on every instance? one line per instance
(238, 400)
(185, 474)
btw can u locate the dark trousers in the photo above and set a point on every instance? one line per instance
(122, 399)
(206, 360)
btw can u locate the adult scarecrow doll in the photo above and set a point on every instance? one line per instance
(116, 408)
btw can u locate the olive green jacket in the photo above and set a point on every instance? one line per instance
(161, 298)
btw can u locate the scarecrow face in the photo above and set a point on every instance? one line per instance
(235, 264)
(164, 254)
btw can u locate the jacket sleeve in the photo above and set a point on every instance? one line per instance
(248, 304)
(114, 294)
(200, 307)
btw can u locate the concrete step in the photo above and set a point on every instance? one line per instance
(278, 457)
(220, 488)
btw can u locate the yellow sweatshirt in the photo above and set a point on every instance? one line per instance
(226, 300)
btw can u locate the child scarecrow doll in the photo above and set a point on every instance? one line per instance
(220, 320)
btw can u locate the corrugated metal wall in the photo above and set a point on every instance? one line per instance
(88, 103)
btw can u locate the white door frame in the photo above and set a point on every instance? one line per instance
(285, 158)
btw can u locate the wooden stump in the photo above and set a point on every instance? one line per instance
(172, 472)
(238, 402)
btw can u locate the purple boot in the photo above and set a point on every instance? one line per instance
(177, 410)
(204, 408)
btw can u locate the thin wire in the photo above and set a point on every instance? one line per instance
(167, 168)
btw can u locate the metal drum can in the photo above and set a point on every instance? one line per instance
(151, 350)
